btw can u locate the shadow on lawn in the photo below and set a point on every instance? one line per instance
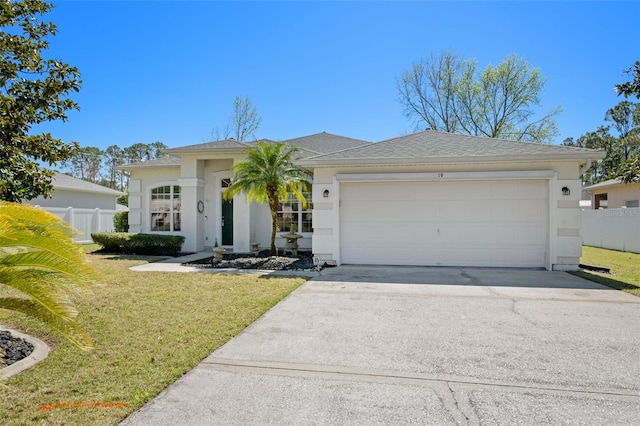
(609, 282)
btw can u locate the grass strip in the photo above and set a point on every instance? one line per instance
(624, 266)
(148, 329)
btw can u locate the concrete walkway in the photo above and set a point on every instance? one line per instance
(434, 346)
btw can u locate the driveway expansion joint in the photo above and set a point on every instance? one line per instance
(357, 374)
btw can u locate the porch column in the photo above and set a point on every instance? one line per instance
(241, 221)
(191, 191)
(192, 222)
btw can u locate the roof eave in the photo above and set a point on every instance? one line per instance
(109, 191)
(176, 152)
(447, 160)
(145, 166)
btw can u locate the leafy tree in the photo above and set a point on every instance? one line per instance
(269, 176)
(86, 163)
(33, 90)
(42, 266)
(156, 149)
(631, 88)
(428, 91)
(629, 170)
(114, 157)
(603, 140)
(138, 152)
(626, 120)
(449, 94)
(243, 123)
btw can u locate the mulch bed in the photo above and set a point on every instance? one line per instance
(304, 261)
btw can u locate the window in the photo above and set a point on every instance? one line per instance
(631, 203)
(291, 213)
(165, 208)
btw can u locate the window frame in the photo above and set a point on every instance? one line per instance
(174, 200)
(298, 215)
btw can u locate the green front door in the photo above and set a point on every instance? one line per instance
(227, 222)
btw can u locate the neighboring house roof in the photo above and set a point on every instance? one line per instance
(167, 161)
(62, 181)
(606, 184)
(439, 147)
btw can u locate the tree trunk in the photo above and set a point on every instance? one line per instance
(273, 206)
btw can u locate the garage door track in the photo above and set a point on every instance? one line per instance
(402, 345)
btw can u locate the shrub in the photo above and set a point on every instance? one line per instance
(121, 222)
(147, 244)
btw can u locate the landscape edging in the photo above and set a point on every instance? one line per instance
(40, 352)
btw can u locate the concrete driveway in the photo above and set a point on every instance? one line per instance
(395, 345)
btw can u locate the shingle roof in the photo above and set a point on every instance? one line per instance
(167, 161)
(62, 181)
(312, 145)
(606, 184)
(434, 146)
(226, 144)
(324, 143)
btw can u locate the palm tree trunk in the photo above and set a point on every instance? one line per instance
(273, 206)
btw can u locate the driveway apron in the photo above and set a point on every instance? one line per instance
(414, 345)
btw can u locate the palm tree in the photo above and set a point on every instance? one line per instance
(42, 265)
(269, 176)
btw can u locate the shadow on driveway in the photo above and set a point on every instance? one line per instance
(490, 277)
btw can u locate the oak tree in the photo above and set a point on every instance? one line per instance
(33, 90)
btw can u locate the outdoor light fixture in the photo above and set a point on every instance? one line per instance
(566, 191)
(325, 194)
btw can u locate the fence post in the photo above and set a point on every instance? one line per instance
(70, 214)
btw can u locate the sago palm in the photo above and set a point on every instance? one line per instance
(43, 266)
(268, 175)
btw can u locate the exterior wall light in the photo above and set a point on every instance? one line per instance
(325, 194)
(566, 191)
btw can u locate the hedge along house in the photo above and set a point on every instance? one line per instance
(429, 198)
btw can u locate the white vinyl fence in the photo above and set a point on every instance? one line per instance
(615, 229)
(85, 221)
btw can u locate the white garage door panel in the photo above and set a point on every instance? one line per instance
(471, 223)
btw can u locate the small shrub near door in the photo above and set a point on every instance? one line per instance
(121, 222)
(145, 244)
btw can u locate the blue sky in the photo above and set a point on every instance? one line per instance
(169, 71)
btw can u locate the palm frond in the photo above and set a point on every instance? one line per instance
(39, 259)
(68, 328)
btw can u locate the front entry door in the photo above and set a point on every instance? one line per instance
(227, 217)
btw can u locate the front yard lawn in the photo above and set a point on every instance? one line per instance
(625, 268)
(148, 330)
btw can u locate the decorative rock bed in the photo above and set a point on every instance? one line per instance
(302, 262)
(15, 348)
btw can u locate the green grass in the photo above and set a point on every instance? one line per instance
(625, 268)
(148, 330)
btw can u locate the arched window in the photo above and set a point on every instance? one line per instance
(165, 208)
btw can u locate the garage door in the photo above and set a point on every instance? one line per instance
(455, 223)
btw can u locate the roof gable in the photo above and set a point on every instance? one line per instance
(324, 143)
(225, 144)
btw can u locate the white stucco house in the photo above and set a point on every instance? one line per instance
(86, 206)
(613, 194)
(428, 198)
